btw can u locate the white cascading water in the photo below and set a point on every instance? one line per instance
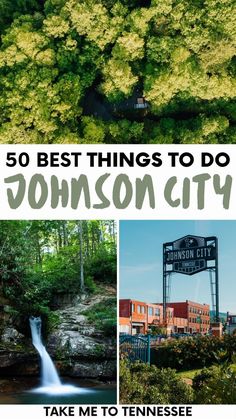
(50, 376)
(51, 383)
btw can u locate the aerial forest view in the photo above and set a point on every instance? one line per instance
(58, 312)
(117, 71)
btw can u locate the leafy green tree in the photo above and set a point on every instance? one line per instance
(179, 54)
(119, 79)
(42, 259)
(93, 131)
(12, 9)
(13, 255)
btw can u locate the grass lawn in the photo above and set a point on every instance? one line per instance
(191, 373)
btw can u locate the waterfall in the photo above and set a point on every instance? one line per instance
(49, 373)
(51, 383)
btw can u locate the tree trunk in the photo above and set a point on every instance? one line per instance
(65, 234)
(80, 231)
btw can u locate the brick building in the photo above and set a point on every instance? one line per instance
(188, 316)
(136, 312)
(196, 314)
(180, 325)
(141, 316)
(125, 325)
(231, 323)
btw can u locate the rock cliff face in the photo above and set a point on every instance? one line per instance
(78, 347)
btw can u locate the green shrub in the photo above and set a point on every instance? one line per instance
(157, 330)
(102, 266)
(53, 321)
(215, 385)
(190, 353)
(90, 285)
(144, 384)
(103, 316)
(109, 327)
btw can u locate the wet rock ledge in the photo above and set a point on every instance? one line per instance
(77, 346)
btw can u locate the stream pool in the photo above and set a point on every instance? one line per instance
(21, 390)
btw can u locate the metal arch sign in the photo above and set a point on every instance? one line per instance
(189, 254)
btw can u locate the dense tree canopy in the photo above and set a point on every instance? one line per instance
(42, 260)
(179, 54)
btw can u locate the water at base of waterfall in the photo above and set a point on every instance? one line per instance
(24, 390)
(50, 380)
(59, 390)
(18, 390)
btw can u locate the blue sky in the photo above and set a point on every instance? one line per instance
(141, 261)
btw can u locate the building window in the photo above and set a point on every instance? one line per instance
(150, 311)
(141, 309)
(233, 319)
(133, 308)
(157, 312)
